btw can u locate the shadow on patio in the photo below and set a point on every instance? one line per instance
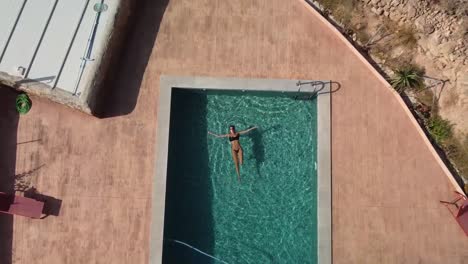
(8, 139)
(119, 92)
(51, 205)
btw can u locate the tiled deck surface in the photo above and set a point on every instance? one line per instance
(386, 183)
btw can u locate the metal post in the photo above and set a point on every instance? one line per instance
(89, 45)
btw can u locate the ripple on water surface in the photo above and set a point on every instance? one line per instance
(270, 216)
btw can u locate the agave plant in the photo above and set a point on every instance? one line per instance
(408, 77)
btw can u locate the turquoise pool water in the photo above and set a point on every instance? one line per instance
(271, 215)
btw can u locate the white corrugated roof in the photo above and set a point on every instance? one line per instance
(46, 40)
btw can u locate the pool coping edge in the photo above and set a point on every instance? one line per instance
(274, 85)
(324, 185)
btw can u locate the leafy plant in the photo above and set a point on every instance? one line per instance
(407, 77)
(440, 129)
(23, 104)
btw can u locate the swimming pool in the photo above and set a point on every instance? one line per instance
(271, 216)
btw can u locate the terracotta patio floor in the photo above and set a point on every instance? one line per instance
(386, 182)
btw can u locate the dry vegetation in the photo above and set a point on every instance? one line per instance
(453, 7)
(462, 33)
(333, 4)
(426, 97)
(382, 41)
(394, 45)
(457, 152)
(451, 98)
(406, 36)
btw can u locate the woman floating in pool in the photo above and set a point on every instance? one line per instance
(236, 149)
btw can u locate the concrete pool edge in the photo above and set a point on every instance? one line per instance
(275, 85)
(324, 209)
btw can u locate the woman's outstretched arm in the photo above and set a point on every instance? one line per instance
(247, 130)
(216, 135)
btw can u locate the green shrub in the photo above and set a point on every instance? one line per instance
(407, 77)
(440, 129)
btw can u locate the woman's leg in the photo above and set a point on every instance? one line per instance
(240, 156)
(236, 162)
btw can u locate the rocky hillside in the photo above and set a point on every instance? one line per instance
(430, 36)
(441, 29)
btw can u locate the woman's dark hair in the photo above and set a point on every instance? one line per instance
(232, 126)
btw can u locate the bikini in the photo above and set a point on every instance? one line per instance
(234, 138)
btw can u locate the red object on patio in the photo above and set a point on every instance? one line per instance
(459, 210)
(19, 205)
